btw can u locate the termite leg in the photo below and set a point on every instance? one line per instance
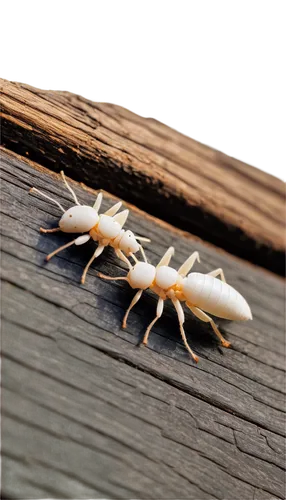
(80, 240)
(97, 202)
(121, 217)
(160, 306)
(218, 272)
(207, 319)
(134, 258)
(60, 249)
(122, 257)
(181, 318)
(114, 209)
(132, 304)
(96, 254)
(188, 264)
(42, 230)
(166, 257)
(111, 278)
(143, 254)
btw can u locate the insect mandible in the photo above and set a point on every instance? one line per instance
(202, 293)
(106, 229)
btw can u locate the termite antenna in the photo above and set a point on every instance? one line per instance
(69, 188)
(142, 238)
(35, 190)
(143, 254)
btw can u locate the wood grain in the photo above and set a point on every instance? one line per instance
(196, 188)
(86, 413)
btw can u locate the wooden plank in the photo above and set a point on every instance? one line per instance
(87, 414)
(196, 188)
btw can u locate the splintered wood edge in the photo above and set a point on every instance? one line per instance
(193, 206)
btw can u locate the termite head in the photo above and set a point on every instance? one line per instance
(141, 275)
(79, 219)
(110, 227)
(128, 243)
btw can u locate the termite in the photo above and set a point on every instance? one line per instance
(105, 229)
(202, 293)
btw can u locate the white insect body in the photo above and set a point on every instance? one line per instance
(105, 229)
(215, 297)
(200, 293)
(78, 219)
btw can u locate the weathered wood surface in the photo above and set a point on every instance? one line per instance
(86, 413)
(196, 188)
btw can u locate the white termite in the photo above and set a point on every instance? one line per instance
(105, 229)
(202, 293)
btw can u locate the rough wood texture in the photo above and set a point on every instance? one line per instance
(196, 188)
(86, 413)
